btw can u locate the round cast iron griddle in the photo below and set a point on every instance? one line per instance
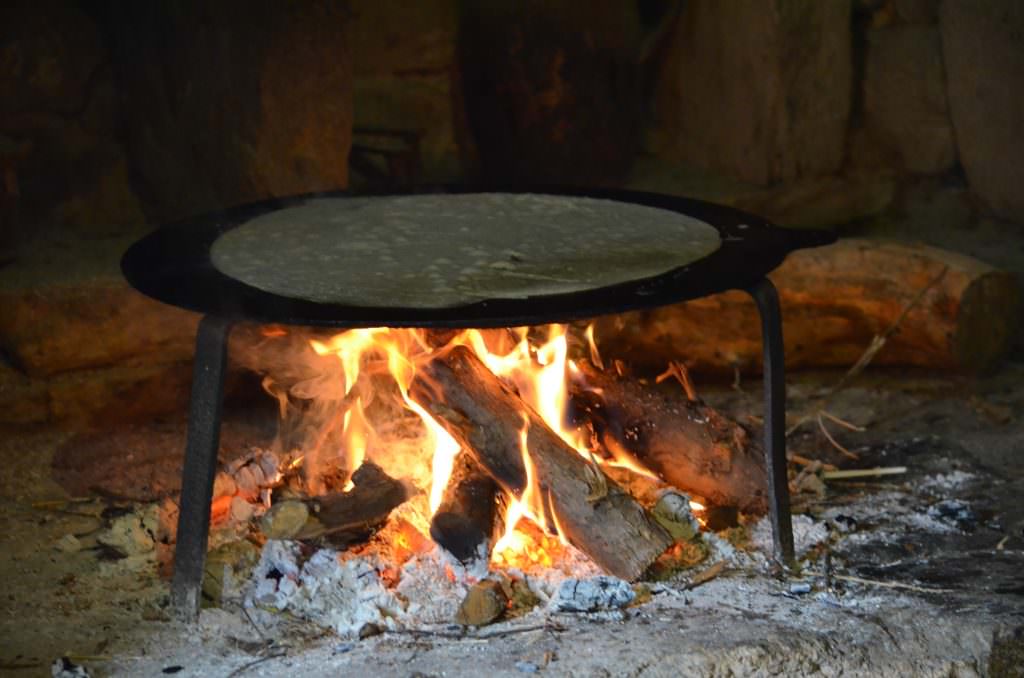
(174, 265)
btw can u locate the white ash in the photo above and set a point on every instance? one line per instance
(343, 596)
(944, 482)
(431, 596)
(592, 595)
(807, 533)
(892, 510)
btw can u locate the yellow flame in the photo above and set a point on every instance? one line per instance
(539, 375)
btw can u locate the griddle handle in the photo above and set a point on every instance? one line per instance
(767, 299)
(200, 467)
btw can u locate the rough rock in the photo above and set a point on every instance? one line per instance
(757, 90)
(484, 603)
(284, 520)
(228, 568)
(223, 111)
(87, 398)
(672, 511)
(134, 533)
(905, 96)
(824, 201)
(22, 400)
(66, 307)
(984, 57)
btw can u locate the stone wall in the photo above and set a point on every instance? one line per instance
(115, 116)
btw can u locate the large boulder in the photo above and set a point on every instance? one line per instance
(66, 307)
(905, 97)
(983, 47)
(231, 102)
(759, 91)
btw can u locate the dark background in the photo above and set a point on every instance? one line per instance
(900, 118)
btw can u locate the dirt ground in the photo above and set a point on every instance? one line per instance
(935, 599)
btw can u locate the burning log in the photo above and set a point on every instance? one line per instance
(490, 421)
(685, 442)
(465, 522)
(343, 517)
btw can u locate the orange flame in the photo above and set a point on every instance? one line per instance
(539, 375)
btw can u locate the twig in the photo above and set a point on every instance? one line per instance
(736, 379)
(480, 635)
(887, 584)
(863, 472)
(256, 662)
(495, 633)
(872, 350)
(682, 375)
(60, 503)
(804, 461)
(254, 624)
(79, 658)
(835, 444)
(842, 422)
(1002, 543)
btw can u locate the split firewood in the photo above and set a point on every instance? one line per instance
(490, 421)
(341, 517)
(834, 300)
(466, 522)
(685, 442)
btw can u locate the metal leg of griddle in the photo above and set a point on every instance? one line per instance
(767, 299)
(200, 465)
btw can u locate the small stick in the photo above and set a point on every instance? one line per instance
(888, 584)
(482, 635)
(864, 472)
(835, 444)
(706, 575)
(1002, 543)
(245, 667)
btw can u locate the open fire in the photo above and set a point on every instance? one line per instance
(498, 485)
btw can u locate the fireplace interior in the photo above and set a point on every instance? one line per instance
(259, 445)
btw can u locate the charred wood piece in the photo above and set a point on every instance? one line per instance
(466, 522)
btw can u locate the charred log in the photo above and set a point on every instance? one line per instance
(685, 442)
(466, 521)
(834, 300)
(488, 419)
(348, 517)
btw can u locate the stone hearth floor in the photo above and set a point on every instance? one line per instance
(940, 551)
